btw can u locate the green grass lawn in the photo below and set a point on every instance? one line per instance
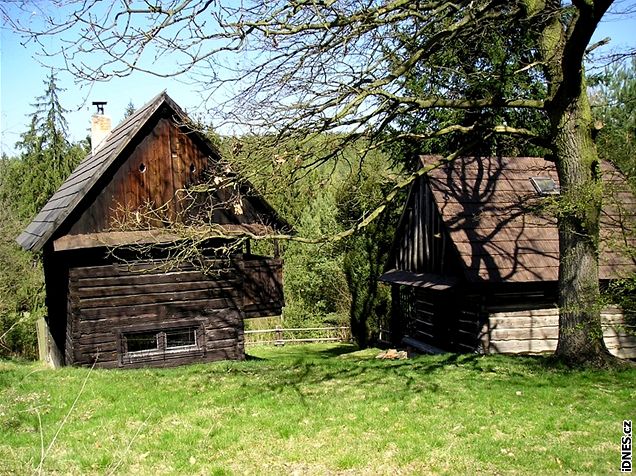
(319, 409)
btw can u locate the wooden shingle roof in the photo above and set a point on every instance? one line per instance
(492, 213)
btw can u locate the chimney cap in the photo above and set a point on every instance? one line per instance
(100, 106)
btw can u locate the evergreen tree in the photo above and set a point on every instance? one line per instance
(26, 183)
(616, 110)
(47, 157)
(462, 75)
(365, 254)
(130, 109)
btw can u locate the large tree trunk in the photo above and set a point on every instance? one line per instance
(580, 333)
(563, 51)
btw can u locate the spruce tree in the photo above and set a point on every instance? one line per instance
(47, 156)
(130, 109)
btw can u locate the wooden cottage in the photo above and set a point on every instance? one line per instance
(128, 198)
(474, 264)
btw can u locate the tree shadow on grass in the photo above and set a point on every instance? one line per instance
(303, 374)
(337, 351)
(306, 372)
(300, 352)
(421, 372)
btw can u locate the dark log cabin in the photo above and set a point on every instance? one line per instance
(474, 264)
(116, 294)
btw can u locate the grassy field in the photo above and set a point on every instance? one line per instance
(319, 409)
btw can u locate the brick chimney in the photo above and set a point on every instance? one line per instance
(100, 126)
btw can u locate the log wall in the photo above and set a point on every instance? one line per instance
(520, 322)
(107, 303)
(434, 318)
(262, 286)
(421, 323)
(536, 331)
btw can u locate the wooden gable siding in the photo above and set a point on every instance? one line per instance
(422, 244)
(165, 161)
(152, 178)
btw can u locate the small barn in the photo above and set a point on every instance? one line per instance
(474, 264)
(125, 285)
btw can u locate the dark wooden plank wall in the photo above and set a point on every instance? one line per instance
(69, 345)
(469, 319)
(422, 246)
(423, 324)
(262, 286)
(56, 281)
(105, 301)
(154, 176)
(431, 316)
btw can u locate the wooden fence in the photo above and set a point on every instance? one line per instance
(282, 336)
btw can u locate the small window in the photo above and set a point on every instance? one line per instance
(155, 344)
(179, 338)
(142, 342)
(544, 185)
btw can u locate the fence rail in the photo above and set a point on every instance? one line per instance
(282, 336)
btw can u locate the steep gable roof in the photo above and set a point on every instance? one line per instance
(491, 211)
(86, 175)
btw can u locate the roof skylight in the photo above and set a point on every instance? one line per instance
(544, 185)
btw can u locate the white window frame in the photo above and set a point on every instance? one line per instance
(540, 190)
(162, 348)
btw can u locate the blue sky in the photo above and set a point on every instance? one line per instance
(22, 80)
